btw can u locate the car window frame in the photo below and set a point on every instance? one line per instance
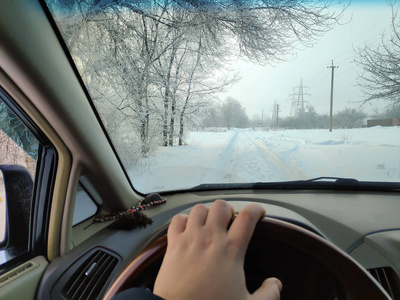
(43, 186)
(89, 198)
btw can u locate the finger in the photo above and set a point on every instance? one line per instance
(243, 226)
(177, 226)
(270, 289)
(219, 215)
(197, 216)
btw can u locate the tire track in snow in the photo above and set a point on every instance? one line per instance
(261, 163)
(277, 139)
(223, 169)
(246, 158)
(282, 169)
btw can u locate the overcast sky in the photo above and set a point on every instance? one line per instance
(260, 86)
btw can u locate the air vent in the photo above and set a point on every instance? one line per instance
(388, 279)
(11, 275)
(90, 278)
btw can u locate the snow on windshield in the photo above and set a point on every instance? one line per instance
(194, 92)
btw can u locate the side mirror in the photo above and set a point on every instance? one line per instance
(15, 209)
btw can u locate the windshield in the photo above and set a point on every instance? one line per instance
(195, 92)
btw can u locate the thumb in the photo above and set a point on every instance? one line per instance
(269, 290)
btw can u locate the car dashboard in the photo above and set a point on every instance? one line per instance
(363, 224)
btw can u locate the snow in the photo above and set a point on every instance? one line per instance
(251, 155)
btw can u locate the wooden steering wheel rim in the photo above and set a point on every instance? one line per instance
(357, 282)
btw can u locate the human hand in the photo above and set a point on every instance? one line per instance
(204, 260)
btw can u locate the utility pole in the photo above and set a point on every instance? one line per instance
(262, 119)
(277, 114)
(332, 67)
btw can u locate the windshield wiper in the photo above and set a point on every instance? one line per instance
(335, 180)
(320, 183)
(335, 183)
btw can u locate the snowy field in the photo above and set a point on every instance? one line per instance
(246, 155)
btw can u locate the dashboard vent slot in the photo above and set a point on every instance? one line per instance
(388, 279)
(9, 276)
(90, 278)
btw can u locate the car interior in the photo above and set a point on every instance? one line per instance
(323, 240)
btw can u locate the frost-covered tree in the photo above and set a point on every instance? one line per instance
(380, 79)
(307, 119)
(349, 118)
(393, 111)
(149, 64)
(233, 114)
(212, 117)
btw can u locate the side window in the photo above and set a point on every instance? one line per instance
(85, 207)
(18, 156)
(2, 210)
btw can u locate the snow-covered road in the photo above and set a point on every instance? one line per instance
(247, 158)
(245, 155)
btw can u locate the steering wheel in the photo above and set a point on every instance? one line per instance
(354, 281)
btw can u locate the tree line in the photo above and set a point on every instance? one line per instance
(231, 114)
(310, 119)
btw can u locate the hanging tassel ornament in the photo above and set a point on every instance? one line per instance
(133, 217)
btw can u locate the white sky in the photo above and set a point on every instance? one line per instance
(260, 86)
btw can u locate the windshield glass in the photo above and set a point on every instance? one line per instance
(194, 92)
